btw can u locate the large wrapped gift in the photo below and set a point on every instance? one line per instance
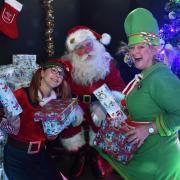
(8, 100)
(112, 138)
(56, 115)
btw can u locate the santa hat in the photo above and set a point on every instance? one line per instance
(79, 34)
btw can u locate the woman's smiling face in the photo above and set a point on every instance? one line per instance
(52, 77)
(143, 55)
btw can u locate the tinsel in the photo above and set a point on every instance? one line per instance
(49, 27)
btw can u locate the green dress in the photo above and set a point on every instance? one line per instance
(157, 98)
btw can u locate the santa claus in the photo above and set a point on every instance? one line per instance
(92, 66)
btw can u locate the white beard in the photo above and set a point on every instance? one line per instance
(91, 67)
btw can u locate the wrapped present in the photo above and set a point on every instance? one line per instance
(56, 115)
(111, 137)
(25, 73)
(8, 100)
(15, 83)
(24, 60)
(6, 71)
(107, 100)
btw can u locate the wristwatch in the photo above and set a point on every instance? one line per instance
(151, 130)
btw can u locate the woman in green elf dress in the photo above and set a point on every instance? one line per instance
(156, 100)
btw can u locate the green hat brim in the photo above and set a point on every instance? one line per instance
(50, 64)
(136, 39)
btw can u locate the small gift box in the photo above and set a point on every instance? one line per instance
(111, 137)
(56, 115)
(24, 60)
(8, 100)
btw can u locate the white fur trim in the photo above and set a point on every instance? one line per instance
(118, 96)
(106, 39)
(92, 136)
(44, 101)
(75, 142)
(15, 4)
(78, 36)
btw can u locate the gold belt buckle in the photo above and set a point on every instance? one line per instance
(87, 99)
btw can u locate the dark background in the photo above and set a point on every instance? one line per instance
(100, 15)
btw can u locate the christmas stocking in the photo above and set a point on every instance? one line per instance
(8, 18)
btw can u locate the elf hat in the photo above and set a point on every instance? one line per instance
(79, 34)
(140, 26)
(61, 64)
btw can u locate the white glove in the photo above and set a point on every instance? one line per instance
(78, 114)
(98, 113)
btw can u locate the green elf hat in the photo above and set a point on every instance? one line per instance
(140, 26)
(61, 64)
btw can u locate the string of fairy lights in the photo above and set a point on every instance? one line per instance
(49, 13)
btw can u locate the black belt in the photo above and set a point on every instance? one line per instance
(32, 147)
(86, 98)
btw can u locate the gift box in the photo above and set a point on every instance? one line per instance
(112, 138)
(6, 71)
(8, 100)
(107, 100)
(15, 83)
(56, 115)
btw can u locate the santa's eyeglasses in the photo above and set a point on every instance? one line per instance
(85, 44)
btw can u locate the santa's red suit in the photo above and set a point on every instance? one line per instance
(91, 67)
(86, 98)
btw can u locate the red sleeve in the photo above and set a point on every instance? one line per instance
(114, 79)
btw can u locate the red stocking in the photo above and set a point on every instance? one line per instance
(8, 18)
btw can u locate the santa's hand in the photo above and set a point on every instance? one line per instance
(98, 113)
(78, 116)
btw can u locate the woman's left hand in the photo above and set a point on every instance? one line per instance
(138, 134)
